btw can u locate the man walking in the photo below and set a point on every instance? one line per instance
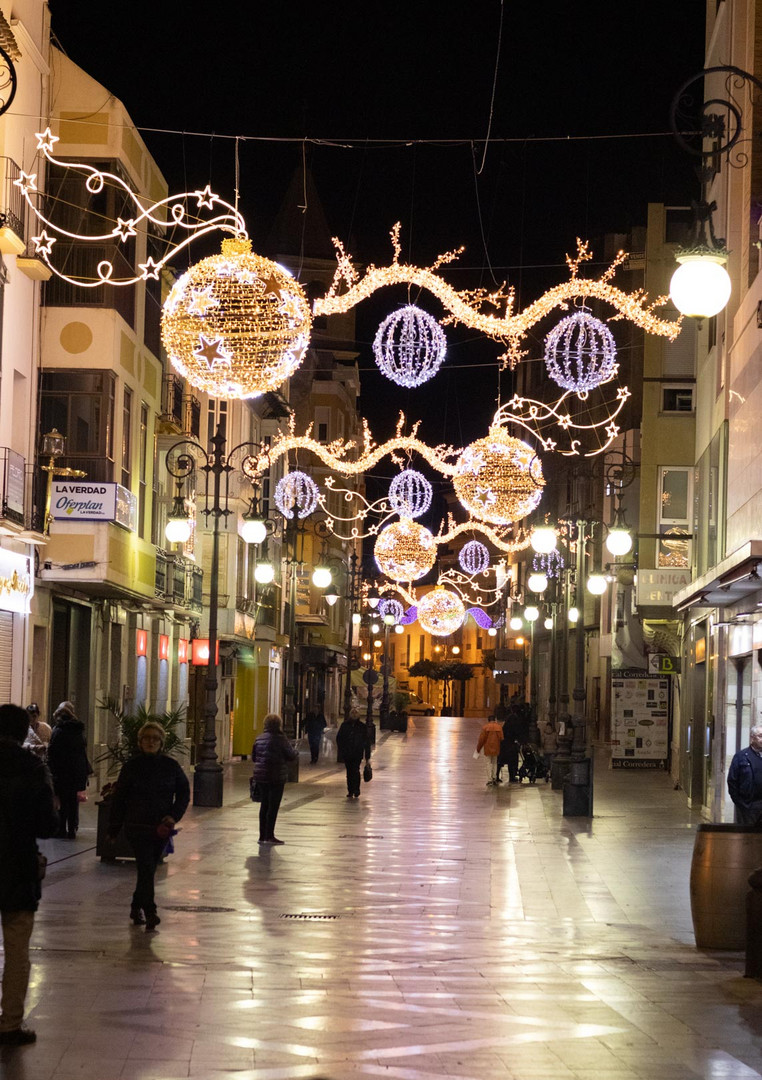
(351, 742)
(27, 811)
(745, 780)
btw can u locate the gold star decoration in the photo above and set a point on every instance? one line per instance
(211, 350)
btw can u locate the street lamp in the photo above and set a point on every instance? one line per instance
(53, 448)
(383, 713)
(322, 578)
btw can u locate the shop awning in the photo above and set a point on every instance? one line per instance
(736, 577)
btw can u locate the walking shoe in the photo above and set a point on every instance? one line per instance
(350, 795)
(275, 840)
(152, 920)
(136, 914)
(19, 1036)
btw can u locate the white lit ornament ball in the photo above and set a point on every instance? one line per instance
(580, 353)
(405, 550)
(410, 494)
(236, 325)
(296, 491)
(474, 557)
(700, 287)
(499, 479)
(391, 607)
(409, 346)
(441, 612)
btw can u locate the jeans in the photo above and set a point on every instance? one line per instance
(352, 766)
(268, 809)
(17, 930)
(147, 848)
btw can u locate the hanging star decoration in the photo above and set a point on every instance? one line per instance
(492, 313)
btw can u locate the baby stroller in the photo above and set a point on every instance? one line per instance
(533, 765)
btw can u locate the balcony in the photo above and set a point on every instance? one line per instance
(178, 581)
(172, 402)
(12, 210)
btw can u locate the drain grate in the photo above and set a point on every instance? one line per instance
(312, 918)
(204, 910)
(360, 836)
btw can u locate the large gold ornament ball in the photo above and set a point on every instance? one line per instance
(236, 325)
(499, 479)
(405, 550)
(441, 612)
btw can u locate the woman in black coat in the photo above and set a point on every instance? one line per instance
(352, 744)
(152, 794)
(271, 753)
(69, 767)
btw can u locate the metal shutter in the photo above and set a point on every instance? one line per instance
(6, 655)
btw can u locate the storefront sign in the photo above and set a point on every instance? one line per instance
(78, 500)
(16, 582)
(640, 708)
(14, 485)
(658, 587)
(659, 664)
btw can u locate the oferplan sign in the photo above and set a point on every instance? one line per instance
(81, 500)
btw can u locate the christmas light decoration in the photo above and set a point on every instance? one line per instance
(405, 550)
(178, 212)
(440, 612)
(410, 494)
(236, 325)
(474, 557)
(296, 491)
(480, 596)
(480, 617)
(580, 353)
(409, 346)
(499, 479)
(467, 307)
(536, 416)
(551, 564)
(393, 608)
(501, 538)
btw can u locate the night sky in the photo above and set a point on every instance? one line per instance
(572, 80)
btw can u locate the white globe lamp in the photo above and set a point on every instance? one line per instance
(619, 541)
(596, 584)
(543, 539)
(253, 530)
(537, 583)
(178, 530)
(531, 613)
(516, 623)
(700, 287)
(264, 573)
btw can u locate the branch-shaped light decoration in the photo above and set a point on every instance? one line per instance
(471, 306)
(172, 211)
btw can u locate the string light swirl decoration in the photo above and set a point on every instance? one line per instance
(580, 353)
(236, 325)
(441, 612)
(405, 550)
(409, 346)
(474, 557)
(492, 313)
(499, 479)
(410, 494)
(557, 429)
(483, 594)
(391, 607)
(180, 212)
(550, 564)
(501, 538)
(296, 492)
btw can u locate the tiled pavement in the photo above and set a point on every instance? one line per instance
(457, 931)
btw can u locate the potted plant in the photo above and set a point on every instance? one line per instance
(124, 746)
(401, 702)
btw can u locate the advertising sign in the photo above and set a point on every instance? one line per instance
(16, 582)
(658, 587)
(82, 500)
(639, 720)
(14, 485)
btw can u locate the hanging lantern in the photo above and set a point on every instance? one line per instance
(441, 612)
(393, 608)
(473, 557)
(296, 491)
(405, 550)
(498, 479)
(580, 353)
(236, 325)
(409, 346)
(410, 494)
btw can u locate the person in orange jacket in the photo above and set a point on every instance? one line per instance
(490, 737)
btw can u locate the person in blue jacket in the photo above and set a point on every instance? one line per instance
(745, 780)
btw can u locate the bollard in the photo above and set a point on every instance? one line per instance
(754, 927)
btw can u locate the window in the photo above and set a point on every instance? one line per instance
(143, 469)
(216, 417)
(127, 438)
(677, 399)
(675, 491)
(81, 405)
(421, 646)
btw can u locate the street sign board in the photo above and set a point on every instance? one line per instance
(370, 677)
(660, 664)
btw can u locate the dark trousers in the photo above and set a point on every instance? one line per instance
(68, 815)
(268, 809)
(510, 757)
(352, 766)
(147, 848)
(314, 741)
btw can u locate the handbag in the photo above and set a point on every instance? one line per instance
(254, 792)
(367, 773)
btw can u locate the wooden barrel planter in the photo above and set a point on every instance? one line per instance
(723, 858)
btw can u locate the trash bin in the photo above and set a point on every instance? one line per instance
(723, 858)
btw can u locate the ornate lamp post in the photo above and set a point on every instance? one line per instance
(383, 713)
(53, 448)
(352, 574)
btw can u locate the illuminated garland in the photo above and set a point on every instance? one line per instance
(467, 306)
(441, 612)
(409, 346)
(474, 557)
(535, 415)
(580, 353)
(405, 551)
(172, 211)
(410, 493)
(296, 491)
(391, 607)
(499, 478)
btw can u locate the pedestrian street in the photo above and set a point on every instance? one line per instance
(433, 928)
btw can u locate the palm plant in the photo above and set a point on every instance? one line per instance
(125, 745)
